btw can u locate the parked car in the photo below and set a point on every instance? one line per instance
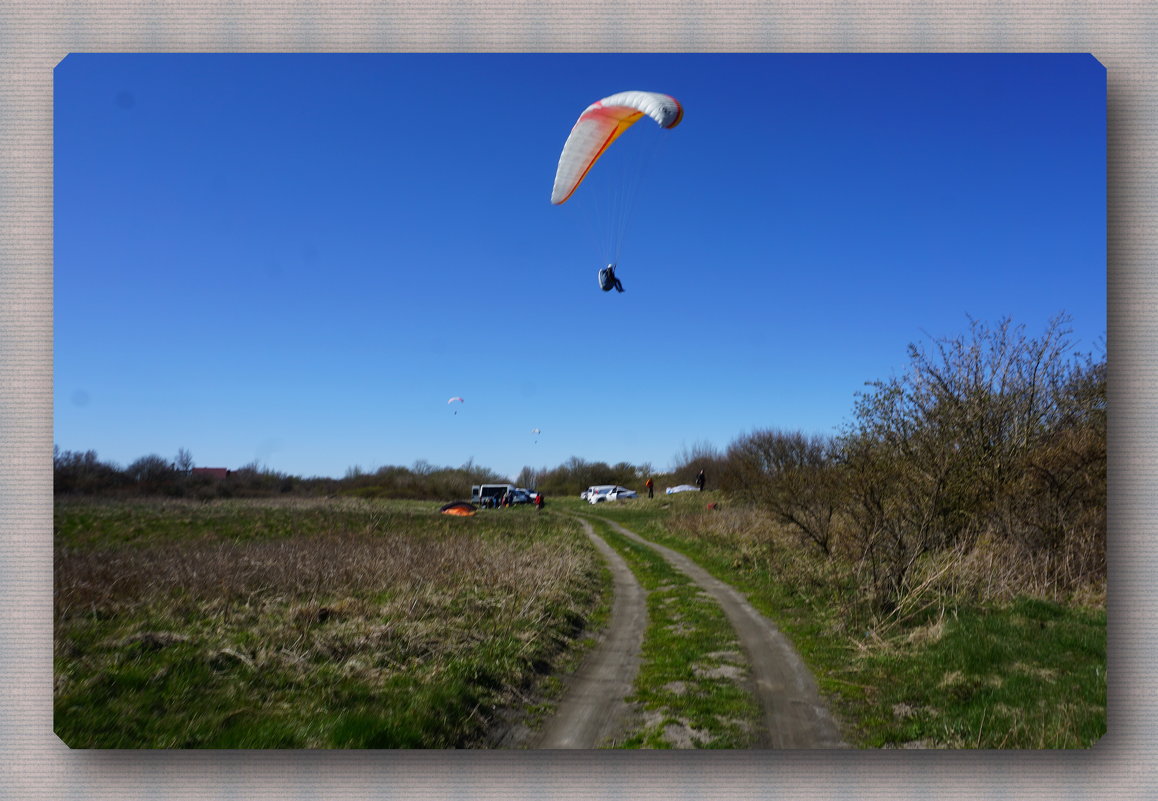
(609, 492)
(590, 492)
(523, 495)
(597, 494)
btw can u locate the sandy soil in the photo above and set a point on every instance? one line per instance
(593, 709)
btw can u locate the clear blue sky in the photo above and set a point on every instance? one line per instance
(297, 259)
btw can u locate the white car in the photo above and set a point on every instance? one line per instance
(591, 492)
(610, 493)
(619, 493)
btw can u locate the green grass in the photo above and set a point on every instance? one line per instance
(365, 624)
(1020, 674)
(1029, 674)
(690, 686)
(323, 624)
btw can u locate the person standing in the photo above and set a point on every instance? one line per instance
(700, 480)
(650, 487)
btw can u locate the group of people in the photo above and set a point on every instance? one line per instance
(508, 499)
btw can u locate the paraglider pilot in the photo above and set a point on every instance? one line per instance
(607, 279)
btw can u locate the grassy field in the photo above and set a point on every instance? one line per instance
(955, 672)
(362, 624)
(310, 624)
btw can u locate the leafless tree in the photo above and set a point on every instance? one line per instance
(184, 461)
(979, 432)
(791, 474)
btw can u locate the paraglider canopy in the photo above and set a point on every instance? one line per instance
(455, 399)
(459, 509)
(599, 125)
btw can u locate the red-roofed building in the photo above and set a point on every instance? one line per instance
(211, 472)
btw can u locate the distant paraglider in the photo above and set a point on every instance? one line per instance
(456, 399)
(536, 432)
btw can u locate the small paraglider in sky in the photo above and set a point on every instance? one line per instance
(456, 399)
(536, 432)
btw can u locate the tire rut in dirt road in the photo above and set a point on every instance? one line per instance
(795, 716)
(594, 704)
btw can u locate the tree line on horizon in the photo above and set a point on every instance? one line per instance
(992, 433)
(83, 473)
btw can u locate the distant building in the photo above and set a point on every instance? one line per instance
(211, 472)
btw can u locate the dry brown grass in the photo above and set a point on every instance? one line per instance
(375, 597)
(331, 597)
(992, 644)
(986, 569)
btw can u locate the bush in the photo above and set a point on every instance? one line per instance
(989, 433)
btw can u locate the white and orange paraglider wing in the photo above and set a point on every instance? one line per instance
(599, 125)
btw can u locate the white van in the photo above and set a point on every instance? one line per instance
(489, 495)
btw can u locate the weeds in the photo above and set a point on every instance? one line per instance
(307, 624)
(985, 650)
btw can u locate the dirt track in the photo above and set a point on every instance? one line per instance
(594, 707)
